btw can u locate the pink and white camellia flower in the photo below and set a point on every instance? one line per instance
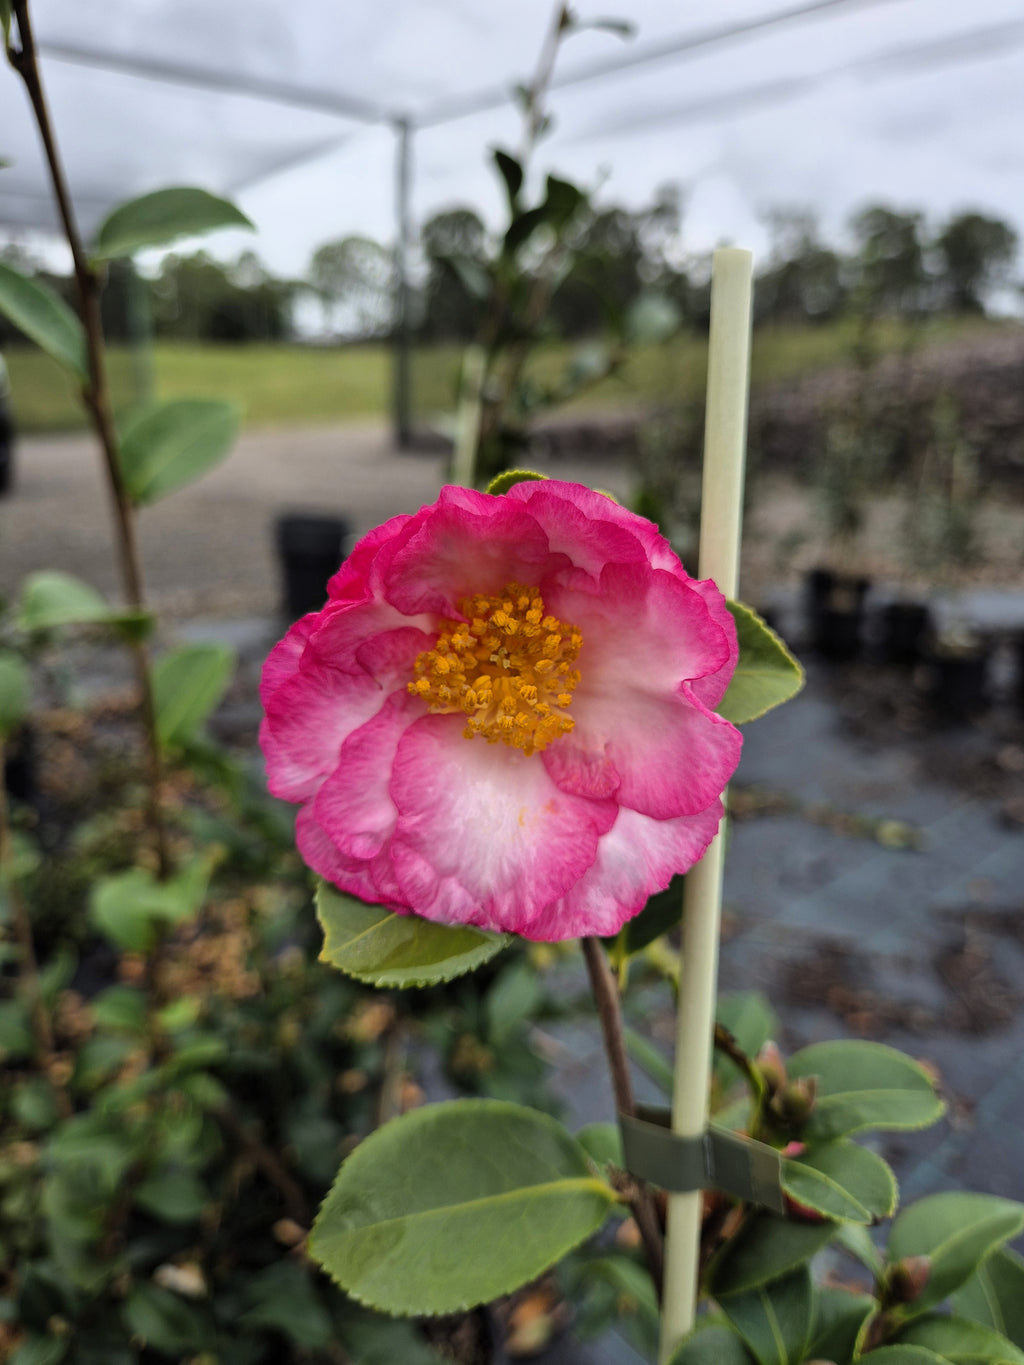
(503, 714)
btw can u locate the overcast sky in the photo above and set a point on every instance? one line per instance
(918, 103)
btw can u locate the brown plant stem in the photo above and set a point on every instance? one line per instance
(609, 1013)
(96, 397)
(41, 1025)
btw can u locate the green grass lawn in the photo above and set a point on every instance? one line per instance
(281, 385)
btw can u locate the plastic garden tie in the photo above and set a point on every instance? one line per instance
(716, 1159)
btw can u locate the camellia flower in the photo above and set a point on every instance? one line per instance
(502, 716)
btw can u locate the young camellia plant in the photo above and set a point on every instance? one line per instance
(516, 716)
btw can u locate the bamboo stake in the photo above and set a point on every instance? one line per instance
(721, 514)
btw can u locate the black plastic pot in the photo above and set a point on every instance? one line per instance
(835, 614)
(959, 684)
(310, 549)
(906, 631)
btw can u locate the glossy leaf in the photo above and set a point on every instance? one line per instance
(419, 1218)
(283, 1297)
(511, 172)
(501, 483)
(160, 218)
(164, 1321)
(602, 1142)
(838, 1325)
(774, 1319)
(44, 317)
(841, 1180)
(905, 1355)
(167, 445)
(994, 1295)
(188, 683)
(15, 691)
(766, 675)
(50, 599)
(713, 1344)
(662, 913)
(749, 1017)
(768, 1248)
(960, 1340)
(130, 906)
(375, 945)
(174, 1196)
(956, 1230)
(865, 1085)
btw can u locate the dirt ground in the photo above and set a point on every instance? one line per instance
(208, 550)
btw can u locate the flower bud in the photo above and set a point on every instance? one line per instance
(906, 1280)
(795, 1101)
(772, 1067)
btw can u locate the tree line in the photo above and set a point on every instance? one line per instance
(895, 264)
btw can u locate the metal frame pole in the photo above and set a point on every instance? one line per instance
(402, 336)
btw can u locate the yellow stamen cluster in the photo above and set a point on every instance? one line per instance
(508, 667)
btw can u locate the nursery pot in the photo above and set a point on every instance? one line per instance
(906, 627)
(310, 549)
(835, 614)
(959, 683)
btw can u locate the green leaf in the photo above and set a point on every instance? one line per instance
(165, 1321)
(40, 1350)
(122, 1009)
(562, 200)
(511, 172)
(766, 674)
(602, 1142)
(472, 275)
(905, 1355)
(129, 906)
(16, 1038)
(841, 1180)
(766, 1249)
(188, 683)
(839, 1321)
(283, 1297)
(712, 1344)
(663, 912)
(856, 1240)
(44, 318)
(774, 1319)
(750, 1019)
(956, 1230)
(375, 945)
(163, 217)
(455, 1204)
(960, 1340)
(865, 1085)
(5, 33)
(173, 1196)
(50, 599)
(15, 691)
(167, 445)
(513, 997)
(649, 1059)
(994, 1295)
(501, 483)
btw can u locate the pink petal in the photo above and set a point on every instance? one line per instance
(320, 853)
(354, 804)
(711, 689)
(639, 731)
(637, 857)
(283, 660)
(483, 836)
(470, 543)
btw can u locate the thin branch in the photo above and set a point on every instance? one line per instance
(609, 1013)
(96, 397)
